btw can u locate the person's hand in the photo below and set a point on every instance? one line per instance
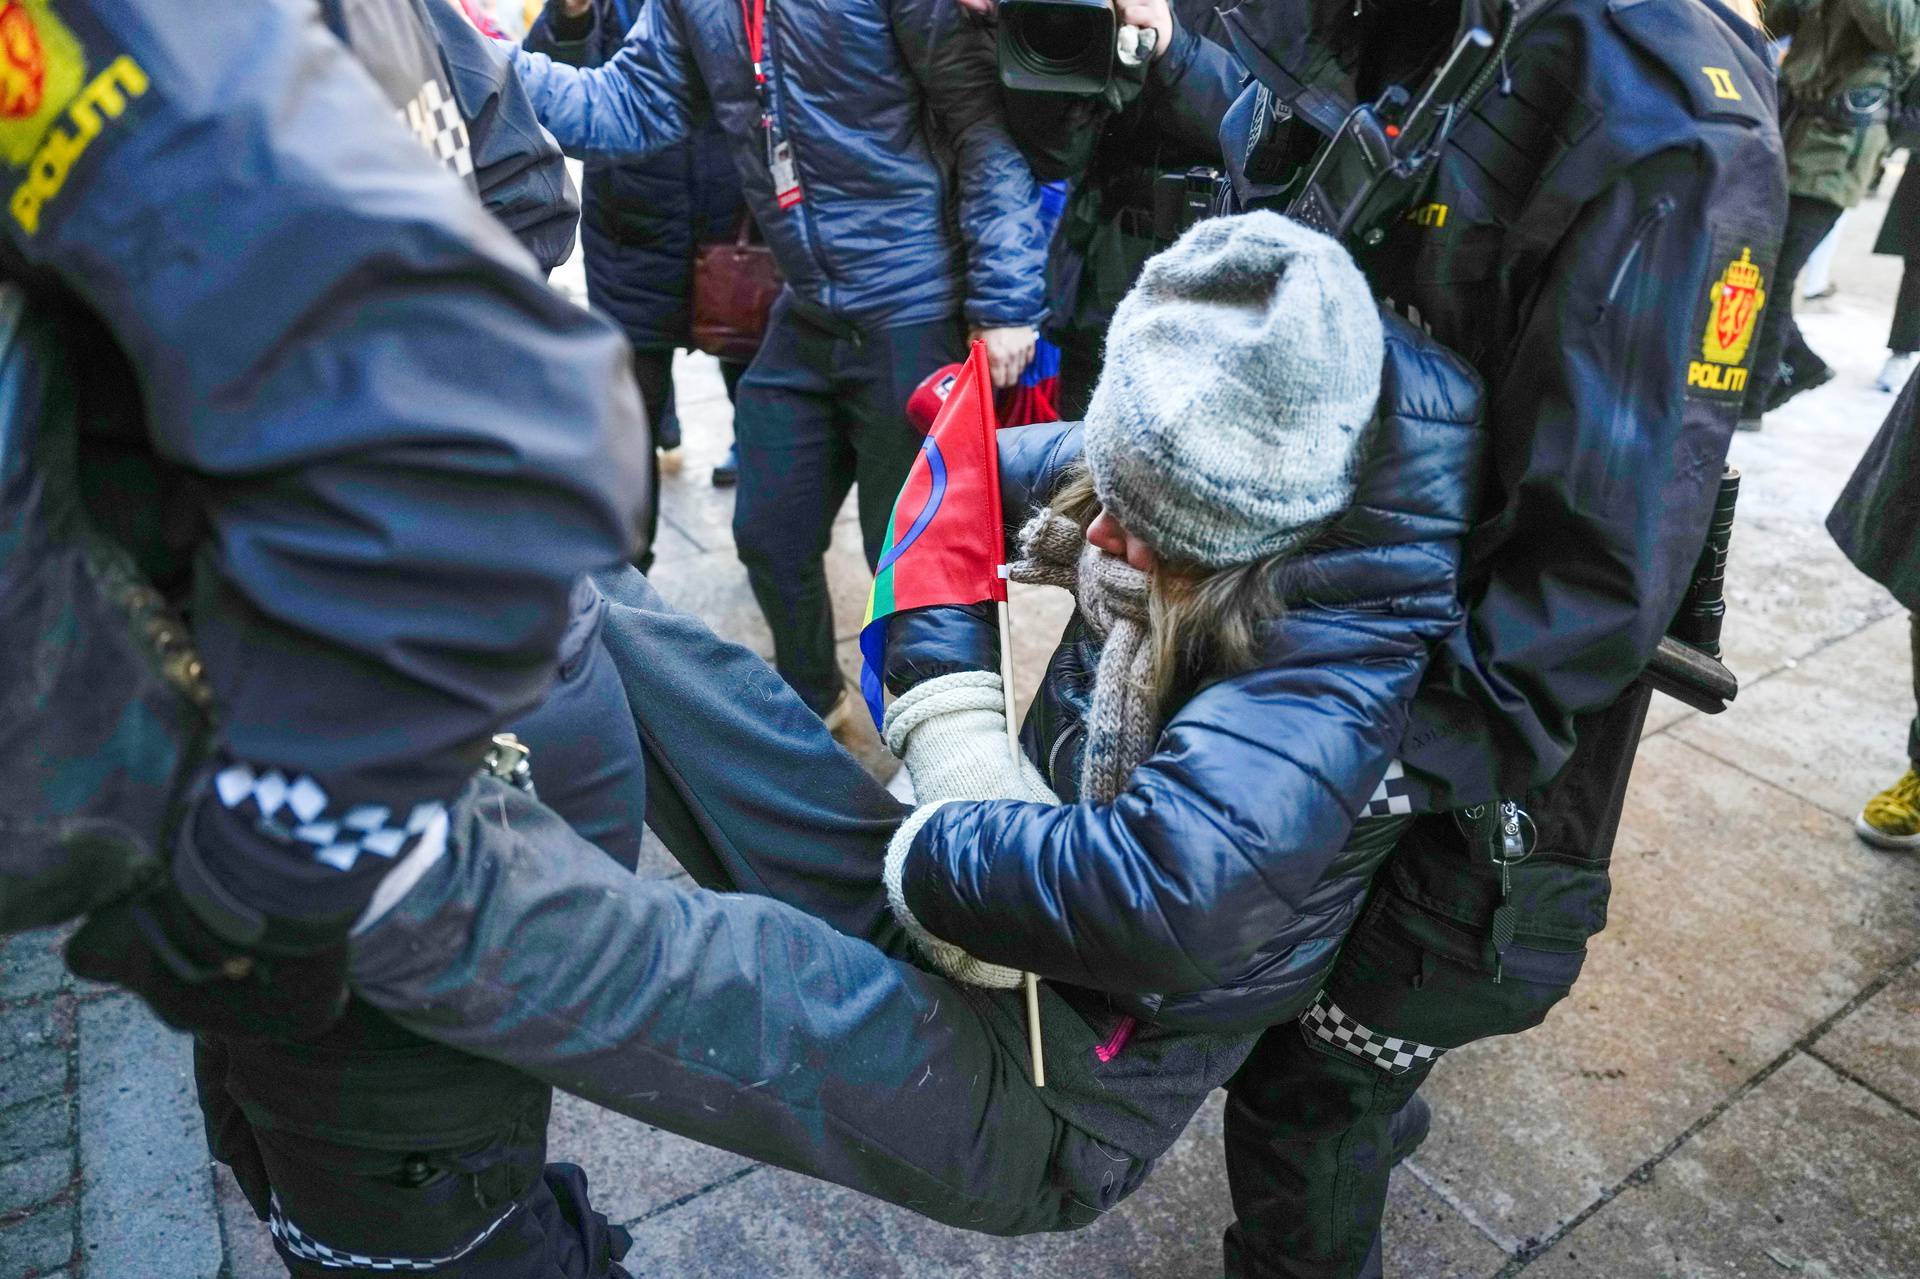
(1009, 351)
(156, 946)
(979, 7)
(946, 957)
(1149, 15)
(951, 732)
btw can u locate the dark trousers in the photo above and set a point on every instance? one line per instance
(1306, 1133)
(1308, 1152)
(653, 370)
(1779, 342)
(374, 1142)
(821, 409)
(1904, 337)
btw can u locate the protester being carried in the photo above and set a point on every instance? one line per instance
(830, 108)
(1226, 704)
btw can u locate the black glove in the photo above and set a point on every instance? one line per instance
(208, 962)
(156, 946)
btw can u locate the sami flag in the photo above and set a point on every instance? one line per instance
(944, 543)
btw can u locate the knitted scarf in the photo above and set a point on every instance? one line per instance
(1112, 594)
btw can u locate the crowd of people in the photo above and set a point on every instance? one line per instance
(1378, 488)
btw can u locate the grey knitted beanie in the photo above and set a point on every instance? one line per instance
(1241, 373)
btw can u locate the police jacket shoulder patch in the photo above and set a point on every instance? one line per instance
(1713, 71)
(1727, 318)
(61, 88)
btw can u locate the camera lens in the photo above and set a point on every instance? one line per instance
(1055, 36)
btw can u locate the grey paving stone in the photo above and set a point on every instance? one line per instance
(1880, 1041)
(30, 963)
(32, 1074)
(28, 1182)
(655, 861)
(35, 1126)
(1741, 918)
(1827, 730)
(776, 1223)
(1806, 1175)
(146, 1200)
(29, 1027)
(37, 1243)
(632, 1169)
(250, 1253)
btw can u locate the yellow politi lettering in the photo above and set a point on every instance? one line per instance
(1707, 376)
(102, 101)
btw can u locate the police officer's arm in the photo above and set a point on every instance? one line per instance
(1611, 427)
(643, 99)
(520, 170)
(407, 445)
(952, 61)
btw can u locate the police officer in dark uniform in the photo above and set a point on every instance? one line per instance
(301, 465)
(1597, 238)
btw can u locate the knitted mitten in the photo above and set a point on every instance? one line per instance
(951, 732)
(947, 957)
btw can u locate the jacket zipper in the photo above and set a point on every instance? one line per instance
(1621, 420)
(1642, 228)
(1117, 1040)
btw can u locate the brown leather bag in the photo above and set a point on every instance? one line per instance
(734, 286)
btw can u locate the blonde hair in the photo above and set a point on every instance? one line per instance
(1201, 625)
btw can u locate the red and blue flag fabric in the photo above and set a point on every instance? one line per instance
(944, 543)
(1036, 398)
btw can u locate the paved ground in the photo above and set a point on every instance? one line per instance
(1733, 1089)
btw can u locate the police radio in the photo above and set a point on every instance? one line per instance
(1369, 172)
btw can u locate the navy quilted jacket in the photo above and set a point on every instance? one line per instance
(641, 220)
(918, 207)
(1215, 892)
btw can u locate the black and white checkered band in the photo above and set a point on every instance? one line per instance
(435, 119)
(299, 1244)
(1393, 797)
(299, 811)
(1325, 1021)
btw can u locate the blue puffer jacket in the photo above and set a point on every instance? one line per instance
(1216, 891)
(641, 220)
(897, 225)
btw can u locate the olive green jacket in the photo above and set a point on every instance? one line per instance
(1841, 46)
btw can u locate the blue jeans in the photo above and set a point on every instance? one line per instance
(821, 408)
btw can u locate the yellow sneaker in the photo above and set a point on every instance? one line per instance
(1891, 819)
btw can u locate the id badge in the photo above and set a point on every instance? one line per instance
(786, 178)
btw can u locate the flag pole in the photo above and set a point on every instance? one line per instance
(1031, 982)
(977, 358)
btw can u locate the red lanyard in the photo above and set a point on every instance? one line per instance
(753, 13)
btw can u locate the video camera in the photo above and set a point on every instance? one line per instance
(1059, 46)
